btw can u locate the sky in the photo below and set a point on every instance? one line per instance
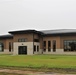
(37, 14)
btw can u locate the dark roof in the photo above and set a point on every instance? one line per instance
(47, 32)
(25, 31)
(59, 31)
(8, 36)
(43, 32)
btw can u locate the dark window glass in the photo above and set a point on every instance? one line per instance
(54, 46)
(1, 47)
(9, 46)
(70, 45)
(44, 45)
(19, 40)
(49, 49)
(36, 40)
(22, 40)
(12, 46)
(34, 48)
(49, 43)
(49, 46)
(44, 49)
(37, 48)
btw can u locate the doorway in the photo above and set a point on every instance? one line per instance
(22, 50)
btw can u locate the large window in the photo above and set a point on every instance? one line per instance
(34, 48)
(49, 46)
(36, 40)
(44, 45)
(22, 40)
(37, 48)
(1, 47)
(54, 45)
(9, 46)
(70, 45)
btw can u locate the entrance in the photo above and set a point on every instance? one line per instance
(22, 50)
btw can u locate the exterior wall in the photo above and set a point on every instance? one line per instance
(6, 46)
(4, 42)
(6, 51)
(7, 43)
(28, 44)
(40, 43)
(36, 36)
(29, 47)
(29, 37)
(37, 44)
(59, 51)
(51, 38)
(59, 44)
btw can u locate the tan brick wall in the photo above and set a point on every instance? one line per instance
(29, 37)
(41, 42)
(36, 36)
(6, 42)
(51, 38)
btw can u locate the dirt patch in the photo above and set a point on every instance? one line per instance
(30, 72)
(20, 71)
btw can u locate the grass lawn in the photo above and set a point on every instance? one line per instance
(38, 61)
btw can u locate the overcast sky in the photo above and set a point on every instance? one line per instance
(37, 14)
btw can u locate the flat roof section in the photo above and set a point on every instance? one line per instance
(59, 31)
(8, 36)
(25, 31)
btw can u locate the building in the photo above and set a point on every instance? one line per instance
(29, 42)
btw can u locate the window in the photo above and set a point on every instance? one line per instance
(34, 48)
(44, 43)
(36, 40)
(44, 50)
(37, 48)
(49, 46)
(49, 43)
(54, 46)
(12, 45)
(1, 47)
(22, 40)
(44, 46)
(70, 45)
(9, 46)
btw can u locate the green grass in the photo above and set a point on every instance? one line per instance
(38, 61)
